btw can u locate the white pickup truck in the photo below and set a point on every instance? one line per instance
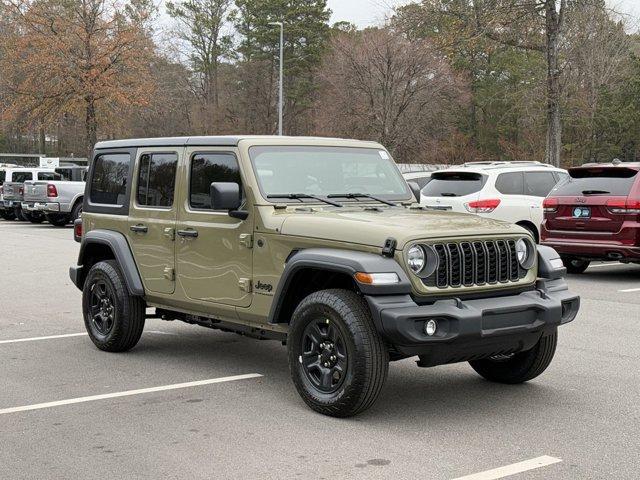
(59, 200)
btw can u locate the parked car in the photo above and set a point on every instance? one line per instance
(295, 239)
(59, 200)
(419, 178)
(13, 191)
(595, 215)
(509, 191)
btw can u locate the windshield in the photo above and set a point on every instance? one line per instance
(453, 184)
(324, 171)
(597, 181)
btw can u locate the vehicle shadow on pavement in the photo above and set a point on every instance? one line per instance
(453, 392)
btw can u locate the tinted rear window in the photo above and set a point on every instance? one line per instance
(49, 176)
(453, 184)
(109, 182)
(597, 181)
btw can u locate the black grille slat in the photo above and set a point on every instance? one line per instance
(504, 263)
(481, 263)
(469, 263)
(514, 275)
(455, 273)
(492, 262)
(442, 275)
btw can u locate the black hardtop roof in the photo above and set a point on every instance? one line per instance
(219, 140)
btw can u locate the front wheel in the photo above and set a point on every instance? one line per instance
(337, 359)
(520, 367)
(113, 318)
(8, 214)
(575, 265)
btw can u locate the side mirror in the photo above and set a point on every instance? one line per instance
(415, 188)
(226, 196)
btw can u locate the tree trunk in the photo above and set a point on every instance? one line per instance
(554, 127)
(91, 124)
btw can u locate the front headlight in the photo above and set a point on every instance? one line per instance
(416, 259)
(525, 253)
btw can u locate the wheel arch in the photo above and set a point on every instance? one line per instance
(99, 245)
(529, 225)
(311, 270)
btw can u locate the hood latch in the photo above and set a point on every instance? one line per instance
(389, 248)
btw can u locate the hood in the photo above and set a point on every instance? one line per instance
(374, 226)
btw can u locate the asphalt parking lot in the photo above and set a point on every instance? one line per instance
(582, 416)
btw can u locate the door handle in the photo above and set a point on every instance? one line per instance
(188, 233)
(139, 228)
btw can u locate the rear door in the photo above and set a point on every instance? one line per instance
(152, 217)
(584, 200)
(450, 190)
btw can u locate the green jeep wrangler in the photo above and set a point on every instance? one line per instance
(316, 242)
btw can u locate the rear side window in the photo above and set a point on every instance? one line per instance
(511, 183)
(3, 176)
(207, 168)
(49, 176)
(21, 177)
(597, 181)
(109, 182)
(539, 184)
(157, 179)
(453, 184)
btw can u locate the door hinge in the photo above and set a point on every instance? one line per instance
(170, 233)
(245, 284)
(246, 240)
(169, 273)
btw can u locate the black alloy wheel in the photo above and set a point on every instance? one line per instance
(101, 308)
(324, 359)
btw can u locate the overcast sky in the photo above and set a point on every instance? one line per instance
(371, 12)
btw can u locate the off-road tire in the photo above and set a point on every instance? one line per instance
(575, 265)
(129, 311)
(20, 215)
(58, 219)
(522, 366)
(76, 211)
(367, 360)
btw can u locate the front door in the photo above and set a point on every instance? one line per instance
(213, 250)
(152, 218)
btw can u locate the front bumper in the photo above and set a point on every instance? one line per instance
(477, 328)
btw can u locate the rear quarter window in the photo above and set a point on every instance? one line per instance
(511, 183)
(110, 177)
(597, 181)
(453, 184)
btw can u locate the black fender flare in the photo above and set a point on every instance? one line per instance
(118, 244)
(342, 261)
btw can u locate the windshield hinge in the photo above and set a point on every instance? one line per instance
(389, 248)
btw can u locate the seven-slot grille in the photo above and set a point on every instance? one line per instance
(465, 264)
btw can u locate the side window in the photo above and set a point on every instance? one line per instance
(49, 176)
(157, 179)
(21, 177)
(109, 181)
(207, 168)
(511, 183)
(539, 184)
(3, 176)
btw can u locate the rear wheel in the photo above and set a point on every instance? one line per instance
(20, 215)
(76, 211)
(113, 318)
(8, 214)
(57, 219)
(575, 265)
(337, 359)
(519, 367)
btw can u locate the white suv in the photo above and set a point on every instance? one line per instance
(509, 191)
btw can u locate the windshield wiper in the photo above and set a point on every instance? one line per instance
(300, 196)
(361, 195)
(594, 192)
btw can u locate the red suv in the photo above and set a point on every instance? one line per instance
(594, 215)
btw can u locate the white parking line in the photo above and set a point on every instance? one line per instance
(629, 290)
(512, 469)
(600, 265)
(67, 335)
(162, 388)
(49, 337)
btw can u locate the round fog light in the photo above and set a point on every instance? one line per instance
(430, 327)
